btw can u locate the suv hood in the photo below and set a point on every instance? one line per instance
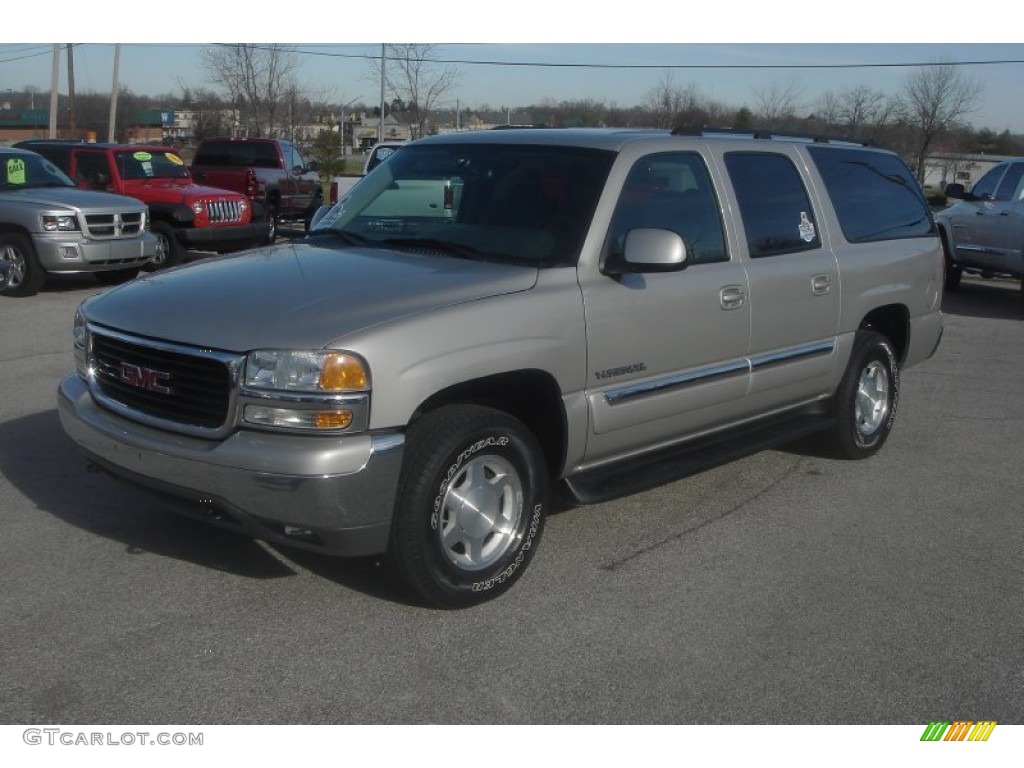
(296, 296)
(70, 198)
(177, 189)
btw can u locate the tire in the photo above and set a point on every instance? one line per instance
(318, 200)
(26, 275)
(273, 222)
(867, 397)
(951, 273)
(169, 252)
(116, 276)
(470, 506)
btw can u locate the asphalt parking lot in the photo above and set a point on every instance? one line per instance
(782, 588)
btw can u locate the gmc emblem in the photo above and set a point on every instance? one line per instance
(144, 378)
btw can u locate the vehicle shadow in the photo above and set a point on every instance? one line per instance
(977, 297)
(45, 466)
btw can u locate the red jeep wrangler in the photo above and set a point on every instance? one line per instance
(183, 214)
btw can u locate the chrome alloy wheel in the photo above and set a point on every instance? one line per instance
(163, 248)
(872, 403)
(480, 511)
(16, 261)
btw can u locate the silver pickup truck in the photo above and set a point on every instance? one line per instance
(48, 225)
(488, 314)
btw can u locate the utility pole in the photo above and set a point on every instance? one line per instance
(54, 84)
(113, 94)
(72, 130)
(380, 125)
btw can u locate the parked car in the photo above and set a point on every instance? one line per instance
(340, 185)
(271, 172)
(983, 232)
(488, 311)
(49, 226)
(184, 215)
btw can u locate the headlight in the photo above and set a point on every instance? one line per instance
(291, 371)
(60, 224)
(79, 330)
(197, 207)
(243, 206)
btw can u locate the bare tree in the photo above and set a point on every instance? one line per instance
(935, 99)
(416, 82)
(257, 79)
(778, 103)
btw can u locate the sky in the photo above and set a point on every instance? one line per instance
(755, 49)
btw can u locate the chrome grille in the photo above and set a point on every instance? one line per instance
(188, 390)
(113, 225)
(222, 211)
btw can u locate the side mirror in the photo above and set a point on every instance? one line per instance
(649, 250)
(955, 191)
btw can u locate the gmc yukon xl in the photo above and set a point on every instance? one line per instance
(489, 313)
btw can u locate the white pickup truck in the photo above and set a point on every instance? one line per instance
(340, 185)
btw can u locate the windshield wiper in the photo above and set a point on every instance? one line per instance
(349, 237)
(456, 249)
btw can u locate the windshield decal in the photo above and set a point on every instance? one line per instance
(16, 171)
(142, 156)
(174, 158)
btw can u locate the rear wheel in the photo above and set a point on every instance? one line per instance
(272, 223)
(26, 276)
(169, 252)
(470, 507)
(865, 403)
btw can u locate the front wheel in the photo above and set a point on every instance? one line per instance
(169, 252)
(865, 403)
(26, 275)
(470, 507)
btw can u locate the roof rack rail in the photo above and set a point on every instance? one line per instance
(764, 134)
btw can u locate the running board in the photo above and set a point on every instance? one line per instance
(642, 473)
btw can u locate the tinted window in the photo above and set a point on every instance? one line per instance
(986, 186)
(776, 212)
(1008, 186)
(671, 191)
(874, 194)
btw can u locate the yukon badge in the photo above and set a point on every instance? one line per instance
(622, 370)
(144, 378)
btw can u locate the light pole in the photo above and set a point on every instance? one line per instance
(341, 123)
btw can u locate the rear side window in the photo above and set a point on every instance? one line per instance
(1011, 181)
(776, 212)
(874, 195)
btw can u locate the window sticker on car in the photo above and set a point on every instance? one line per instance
(806, 228)
(142, 156)
(15, 171)
(174, 158)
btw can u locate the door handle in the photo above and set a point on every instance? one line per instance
(821, 285)
(732, 296)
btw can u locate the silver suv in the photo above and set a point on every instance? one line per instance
(48, 225)
(983, 232)
(490, 313)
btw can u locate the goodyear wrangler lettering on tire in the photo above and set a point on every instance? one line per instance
(471, 503)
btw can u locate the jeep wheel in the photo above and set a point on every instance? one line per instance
(470, 506)
(866, 400)
(26, 276)
(169, 251)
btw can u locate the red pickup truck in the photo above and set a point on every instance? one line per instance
(271, 172)
(183, 215)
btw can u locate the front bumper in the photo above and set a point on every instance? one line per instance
(329, 495)
(71, 252)
(223, 238)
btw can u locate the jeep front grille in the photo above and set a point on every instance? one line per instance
(224, 211)
(113, 225)
(170, 385)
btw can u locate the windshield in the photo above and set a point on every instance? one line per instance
(518, 203)
(28, 170)
(147, 164)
